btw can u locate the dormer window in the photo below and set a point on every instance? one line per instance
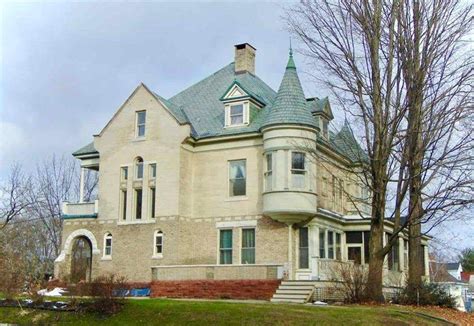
(236, 114)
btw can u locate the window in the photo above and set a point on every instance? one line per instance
(139, 168)
(405, 254)
(248, 246)
(361, 241)
(298, 169)
(158, 251)
(225, 247)
(141, 119)
(237, 178)
(330, 245)
(108, 245)
(304, 248)
(268, 173)
(123, 201)
(138, 203)
(236, 114)
(392, 257)
(325, 129)
(338, 247)
(153, 171)
(124, 174)
(153, 203)
(322, 243)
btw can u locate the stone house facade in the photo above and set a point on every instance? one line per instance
(227, 180)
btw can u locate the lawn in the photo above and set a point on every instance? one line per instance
(177, 312)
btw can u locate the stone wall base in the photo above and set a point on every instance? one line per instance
(216, 289)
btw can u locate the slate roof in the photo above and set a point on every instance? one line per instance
(290, 103)
(202, 106)
(88, 149)
(345, 142)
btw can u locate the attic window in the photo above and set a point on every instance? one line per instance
(236, 114)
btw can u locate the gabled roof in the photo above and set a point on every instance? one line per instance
(345, 142)
(320, 106)
(202, 106)
(248, 93)
(89, 149)
(290, 103)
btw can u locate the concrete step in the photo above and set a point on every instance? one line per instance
(296, 287)
(292, 283)
(291, 291)
(290, 296)
(287, 300)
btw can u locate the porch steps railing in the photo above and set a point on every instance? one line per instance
(294, 292)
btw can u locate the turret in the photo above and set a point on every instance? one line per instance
(289, 130)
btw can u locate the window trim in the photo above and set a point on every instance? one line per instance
(245, 114)
(268, 172)
(123, 204)
(238, 197)
(158, 234)
(242, 229)
(135, 204)
(139, 161)
(107, 236)
(151, 167)
(137, 125)
(219, 233)
(303, 172)
(152, 201)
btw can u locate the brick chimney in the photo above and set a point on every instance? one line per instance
(245, 58)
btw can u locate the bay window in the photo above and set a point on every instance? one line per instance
(298, 170)
(268, 172)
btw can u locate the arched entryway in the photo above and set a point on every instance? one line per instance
(81, 259)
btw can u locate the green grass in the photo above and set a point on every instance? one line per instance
(175, 312)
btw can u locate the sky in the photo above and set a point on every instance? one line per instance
(67, 67)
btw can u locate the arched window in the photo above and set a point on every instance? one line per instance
(139, 168)
(108, 245)
(158, 244)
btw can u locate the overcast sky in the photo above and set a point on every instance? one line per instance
(67, 67)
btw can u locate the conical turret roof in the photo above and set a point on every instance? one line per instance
(289, 106)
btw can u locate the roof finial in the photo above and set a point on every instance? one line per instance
(291, 48)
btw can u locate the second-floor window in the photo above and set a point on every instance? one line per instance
(268, 173)
(138, 203)
(237, 178)
(141, 121)
(124, 174)
(298, 169)
(139, 168)
(153, 171)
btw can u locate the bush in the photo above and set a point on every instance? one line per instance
(350, 281)
(102, 288)
(429, 294)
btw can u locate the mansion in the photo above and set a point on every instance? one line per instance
(226, 180)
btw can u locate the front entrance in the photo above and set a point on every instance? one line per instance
(81, 260)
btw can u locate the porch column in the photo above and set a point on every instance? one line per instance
(290, 251)
(81, 186)
(401, 257)
(427, 261)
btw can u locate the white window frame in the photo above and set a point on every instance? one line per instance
(150, 171)
(304, 171)
(245, 114)
(241, 246)
(229, 197)
(124, 173)
(158, 234)
(219, 246)
(136, 164)
(268, 174)
(137, 125)
(108, 236)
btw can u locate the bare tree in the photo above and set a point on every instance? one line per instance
(439, 80)
(353, 45)
(13, 201)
